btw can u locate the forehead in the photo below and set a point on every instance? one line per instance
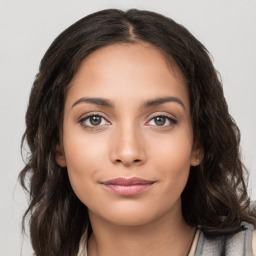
(127, 70)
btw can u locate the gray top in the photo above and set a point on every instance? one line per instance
(238, 244)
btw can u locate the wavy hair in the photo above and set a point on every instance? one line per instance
(215, 196)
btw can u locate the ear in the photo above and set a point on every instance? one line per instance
(60, 156)
(197, 154)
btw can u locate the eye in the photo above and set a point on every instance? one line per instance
(162, 120)
(93, 121)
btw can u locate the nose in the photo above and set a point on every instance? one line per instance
(128, 147)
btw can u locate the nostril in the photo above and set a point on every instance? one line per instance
(125, 162)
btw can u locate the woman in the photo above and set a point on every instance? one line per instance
(133, 150)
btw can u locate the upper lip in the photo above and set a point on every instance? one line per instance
(127, 181)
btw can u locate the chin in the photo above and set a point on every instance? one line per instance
(130, 219)
(129, 214)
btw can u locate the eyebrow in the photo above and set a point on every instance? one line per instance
(159, 101)
(95, 101)
(149, 103)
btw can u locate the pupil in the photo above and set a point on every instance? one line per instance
(95, 120)
(159, 120)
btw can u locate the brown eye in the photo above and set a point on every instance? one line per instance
(160, 120)
(95, 120)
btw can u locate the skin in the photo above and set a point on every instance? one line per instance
(128, 142)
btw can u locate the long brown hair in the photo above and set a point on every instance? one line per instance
(215, 196)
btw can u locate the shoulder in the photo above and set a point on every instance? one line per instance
(239, 243)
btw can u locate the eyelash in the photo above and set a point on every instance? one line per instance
(96, 127)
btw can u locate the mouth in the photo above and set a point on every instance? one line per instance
(128, 187)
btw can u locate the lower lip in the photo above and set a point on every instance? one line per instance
(128, 190)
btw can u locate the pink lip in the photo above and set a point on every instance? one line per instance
(128, 187)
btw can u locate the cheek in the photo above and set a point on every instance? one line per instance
(175, 149)
(171, 159)
(84, 151)
(84, 157)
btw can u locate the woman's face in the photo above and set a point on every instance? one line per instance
(127, 135)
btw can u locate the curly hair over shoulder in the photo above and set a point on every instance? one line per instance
(215, 196)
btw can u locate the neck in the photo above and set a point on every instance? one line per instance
(163, 236)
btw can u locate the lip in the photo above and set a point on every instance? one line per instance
(128, 186)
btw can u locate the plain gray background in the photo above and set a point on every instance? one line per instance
(227, 28)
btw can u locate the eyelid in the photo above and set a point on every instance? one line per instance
(94, 113)
(155, 114)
